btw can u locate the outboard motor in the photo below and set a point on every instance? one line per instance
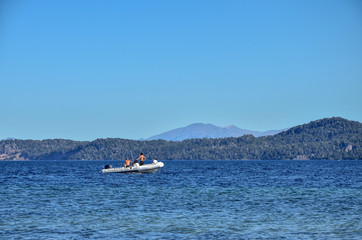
(108, 166)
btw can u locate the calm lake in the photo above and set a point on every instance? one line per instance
(184, 200)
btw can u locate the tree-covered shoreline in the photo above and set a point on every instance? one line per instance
(329, 138)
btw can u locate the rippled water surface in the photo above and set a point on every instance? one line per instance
(185, 200)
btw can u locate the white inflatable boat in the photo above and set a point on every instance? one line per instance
(136, 168)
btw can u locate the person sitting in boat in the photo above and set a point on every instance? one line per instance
(142, 158)
(127, 163)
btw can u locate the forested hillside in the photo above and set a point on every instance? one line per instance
(329, 138)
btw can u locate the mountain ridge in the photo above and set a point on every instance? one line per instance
(208, 130)
(328, 138)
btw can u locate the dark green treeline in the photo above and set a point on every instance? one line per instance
(329, 138)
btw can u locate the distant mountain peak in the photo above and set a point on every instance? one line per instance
(207, 130)
(230, 126)
(200, 125)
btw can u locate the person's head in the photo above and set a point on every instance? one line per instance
(156, 159)
(127, 159)
(141, 153)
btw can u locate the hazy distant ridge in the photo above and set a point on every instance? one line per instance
(329, 138)
(201, 130)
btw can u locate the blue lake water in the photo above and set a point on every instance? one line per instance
(185, 200)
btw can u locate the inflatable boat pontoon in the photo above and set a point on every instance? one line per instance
(136, 168)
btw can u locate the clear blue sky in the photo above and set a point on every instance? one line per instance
(131, 69)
